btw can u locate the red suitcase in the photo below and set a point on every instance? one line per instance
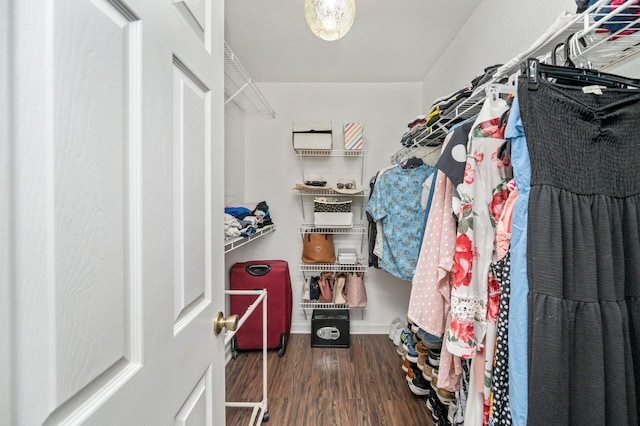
(272, 275)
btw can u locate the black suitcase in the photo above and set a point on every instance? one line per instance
(272, 275)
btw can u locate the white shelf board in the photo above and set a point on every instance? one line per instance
(312, 229)
(334, 267)
(330, 152)
(329, 191)
(314, 304)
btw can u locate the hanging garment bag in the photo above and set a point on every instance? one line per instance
(272, 275)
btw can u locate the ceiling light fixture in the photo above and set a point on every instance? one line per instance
(329, 19)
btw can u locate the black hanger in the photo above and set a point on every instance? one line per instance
(534, 71)
(412, 163)
(566, 51)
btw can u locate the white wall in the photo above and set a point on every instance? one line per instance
(234, 174)
(272, 169)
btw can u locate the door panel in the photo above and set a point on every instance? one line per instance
(195, 13)
(94, 206)
(192, 127)
(114, 252)
(197, 408)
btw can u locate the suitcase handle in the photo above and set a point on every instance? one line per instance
(258, 270)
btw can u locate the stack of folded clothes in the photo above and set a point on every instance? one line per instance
(243, 220)
(423, 130)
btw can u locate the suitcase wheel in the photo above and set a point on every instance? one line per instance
(234, 348)
(283, 344)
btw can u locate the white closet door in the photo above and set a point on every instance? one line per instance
(112, 205)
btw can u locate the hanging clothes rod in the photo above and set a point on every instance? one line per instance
(240, 88)
(601, 37)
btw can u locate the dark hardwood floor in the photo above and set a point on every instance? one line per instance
(360, 385)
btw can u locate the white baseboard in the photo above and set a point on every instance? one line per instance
(305, 328)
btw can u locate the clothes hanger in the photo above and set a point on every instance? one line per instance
(435, 133)
(429, 154)
(494, 90)
(535, 71)
(575, 52)
(411, 163)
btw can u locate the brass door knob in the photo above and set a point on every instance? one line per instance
(220, 322)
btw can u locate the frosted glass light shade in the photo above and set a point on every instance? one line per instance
(329, 19)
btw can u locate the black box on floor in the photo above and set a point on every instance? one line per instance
(330, 328)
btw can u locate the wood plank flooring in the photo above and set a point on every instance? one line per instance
(361, 385)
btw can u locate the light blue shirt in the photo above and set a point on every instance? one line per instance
(396, 202)
(518, 305)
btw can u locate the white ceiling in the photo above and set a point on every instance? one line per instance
(390, 40)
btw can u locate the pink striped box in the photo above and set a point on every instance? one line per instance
(353, 135)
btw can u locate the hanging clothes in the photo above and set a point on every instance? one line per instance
(454, 158)
(583, 254)
(518, 303)
(372, 230)
(396, 203)
(375, 227)
(499, 411)
(431, 289)
(483, 194)
(429, 302)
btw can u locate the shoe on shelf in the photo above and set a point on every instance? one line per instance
(429, 340)
(410, 351)
(432, 411)
(451, 413)
(445, 396)
(441, 415)
(423, 353)
(396, 336)
(429, 369)
(428, 372)
(396, 323)
(406, 365)
(438, 412)
(410, 374)
(434, 358)
(405, 336)
(397, 333)
(419, 386)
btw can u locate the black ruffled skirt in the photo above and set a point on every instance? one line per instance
(583, 255)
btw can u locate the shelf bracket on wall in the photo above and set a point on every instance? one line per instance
(237, 92)
(239, 88)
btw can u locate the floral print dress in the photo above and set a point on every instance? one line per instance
(475, 292)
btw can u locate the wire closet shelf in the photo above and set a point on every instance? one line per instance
(240, 88)
(603, 36)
